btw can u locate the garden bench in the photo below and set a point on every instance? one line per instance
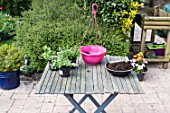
(88, 80)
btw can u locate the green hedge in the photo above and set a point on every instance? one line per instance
(60, 24)
(15, 7)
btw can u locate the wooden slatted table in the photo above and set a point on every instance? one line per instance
(89, 80)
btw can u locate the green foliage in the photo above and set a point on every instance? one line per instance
(118, 13)
(7, 26)
(48, 53)
(61, 24)
(27, 70)
(15, 7)
(11, 58)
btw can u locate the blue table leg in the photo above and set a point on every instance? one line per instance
(95, 102)
(106, 102)
(80, 102)
(74, 103)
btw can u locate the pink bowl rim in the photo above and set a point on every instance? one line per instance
(104, 50)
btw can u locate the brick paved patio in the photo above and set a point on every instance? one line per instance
(155, 100)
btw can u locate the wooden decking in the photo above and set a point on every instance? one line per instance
(87, 79)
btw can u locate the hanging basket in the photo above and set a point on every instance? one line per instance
(93, 54)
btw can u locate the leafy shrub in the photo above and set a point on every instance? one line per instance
(15, 7)
(11, 58)
(61, 24)
(118, 13)
(7, 26)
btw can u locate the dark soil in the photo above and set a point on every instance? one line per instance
(120, 66)
(32, 77)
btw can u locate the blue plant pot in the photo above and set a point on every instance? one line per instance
(9, 80)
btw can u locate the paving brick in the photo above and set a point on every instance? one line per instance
(152, 100)
(19, 102)
(5, 101)
(149, 92)
(30, 110)
(5, 108)
(143, 108)
(19, 96)
(123, 100)
(136, 99)
(50, 99)
(165, 98)
(7, 94)
(112, 109)
(47, 107)
(62, 109)
(128, 109)
(25, 87)
(89, 106)
(15, 109)
(61, 100)
(158, 108)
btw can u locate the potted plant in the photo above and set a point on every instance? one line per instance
(11, 59)
(60, 60)
(139, 63)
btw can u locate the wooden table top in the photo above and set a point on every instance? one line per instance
(87, 79)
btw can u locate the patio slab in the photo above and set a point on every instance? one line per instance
(155, 100)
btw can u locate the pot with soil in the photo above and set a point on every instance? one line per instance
(119, 68)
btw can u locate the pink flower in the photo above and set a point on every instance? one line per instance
(9, 19)
(0, 8)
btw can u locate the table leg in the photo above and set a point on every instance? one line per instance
(74, 103)
(106, 102)
(80, 102)
(95, 102)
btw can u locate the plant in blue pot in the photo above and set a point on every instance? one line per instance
(11, 59)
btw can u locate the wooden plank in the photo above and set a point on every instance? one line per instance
(129, 86)
(68, 85)
(54, 84)
(157, 23)
(149, 18)
(74, 80)
(40, 84)
(112, 86)
(58, 85)
(89, 80)
(133, 84)
(63, 85)
(47, 78)
(50, 82)
(95, 80)
(137, 82)
(78, 80)
(114, 83)
(104, 76)
(124, 84)
(157, 27)
(83, 77)
(100, 80)
(157, 59)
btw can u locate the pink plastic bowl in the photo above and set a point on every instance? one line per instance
(92, 54)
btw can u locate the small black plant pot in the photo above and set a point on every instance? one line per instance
(64, 71)
(141, 76)
(73, 60)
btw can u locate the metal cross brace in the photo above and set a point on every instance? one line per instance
(81, 110)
